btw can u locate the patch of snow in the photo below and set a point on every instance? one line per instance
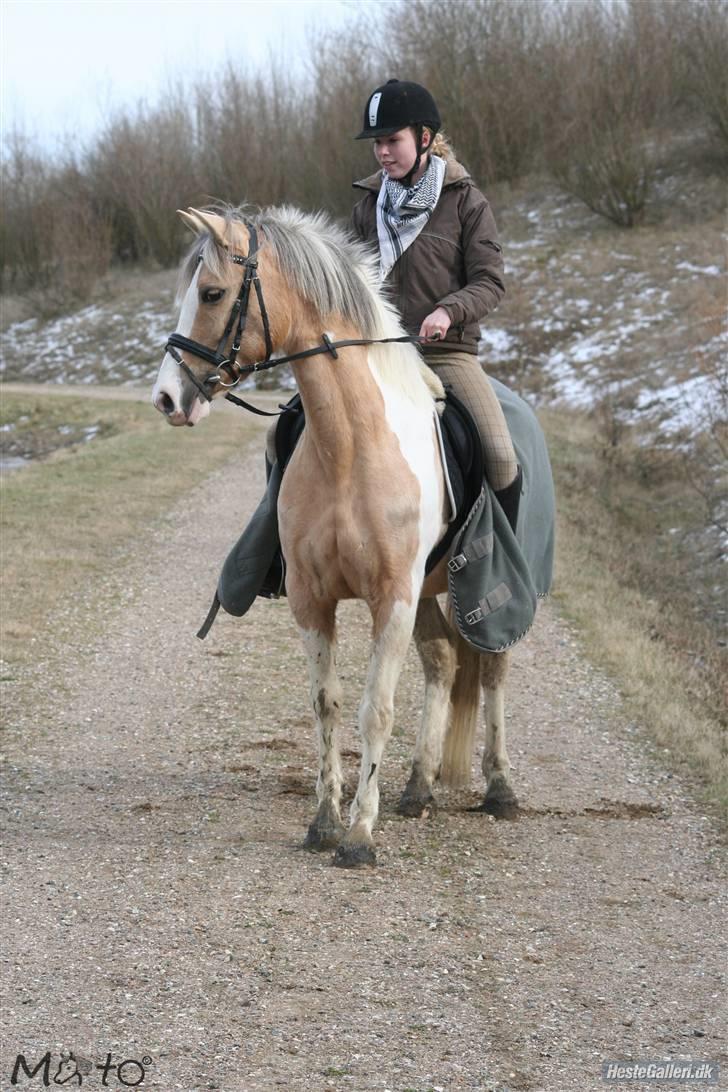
(592, 348)
(706, 270)
(498, 343)
(690, 402)
(568, 386)
(524, 245)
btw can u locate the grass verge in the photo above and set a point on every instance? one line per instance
(623, 585)
(65, 518)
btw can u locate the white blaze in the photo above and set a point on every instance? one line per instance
(169, 379)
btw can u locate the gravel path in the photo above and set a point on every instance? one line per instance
(158, 906)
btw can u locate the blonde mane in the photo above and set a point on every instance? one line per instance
(338, 276)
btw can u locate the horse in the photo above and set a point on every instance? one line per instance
(363, 499)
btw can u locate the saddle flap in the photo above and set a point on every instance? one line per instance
(463, 457)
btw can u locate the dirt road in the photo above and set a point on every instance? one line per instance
(158, 908)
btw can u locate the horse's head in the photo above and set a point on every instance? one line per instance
(221, 324)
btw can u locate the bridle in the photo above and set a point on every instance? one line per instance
(235, 326)
(236, 322)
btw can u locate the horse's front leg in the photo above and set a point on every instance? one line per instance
(376, 716)
(327, 829)
(500, 798)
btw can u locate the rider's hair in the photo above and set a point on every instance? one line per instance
(441, 146)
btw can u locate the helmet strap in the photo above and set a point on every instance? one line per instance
(407, 180)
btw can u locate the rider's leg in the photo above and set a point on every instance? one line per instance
(462, 372)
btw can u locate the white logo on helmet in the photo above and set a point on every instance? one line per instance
(374, 108)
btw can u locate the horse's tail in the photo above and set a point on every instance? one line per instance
(457, 752)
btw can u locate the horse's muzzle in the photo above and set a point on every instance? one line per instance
(177, 400)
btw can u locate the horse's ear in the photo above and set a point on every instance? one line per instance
(190, 222)
(205, 221)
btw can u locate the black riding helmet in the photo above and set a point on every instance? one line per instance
(396, 105)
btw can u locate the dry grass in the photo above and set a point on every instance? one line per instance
(66, 518)
(620, 580)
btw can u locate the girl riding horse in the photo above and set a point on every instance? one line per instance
(439, 257)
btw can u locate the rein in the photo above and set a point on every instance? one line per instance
(237, 323)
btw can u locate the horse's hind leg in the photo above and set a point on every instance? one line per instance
(434, 640)
(326, 830)
(376, 716)
(500, 799)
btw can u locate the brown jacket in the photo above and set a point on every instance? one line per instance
(455, 262)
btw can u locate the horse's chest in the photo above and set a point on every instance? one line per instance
(350, 543)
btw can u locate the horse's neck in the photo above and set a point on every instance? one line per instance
(342, 403)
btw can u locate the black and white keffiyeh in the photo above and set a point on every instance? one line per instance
(403, 211)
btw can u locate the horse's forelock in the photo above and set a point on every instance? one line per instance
(203, 248)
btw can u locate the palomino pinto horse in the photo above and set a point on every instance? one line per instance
(362, 501)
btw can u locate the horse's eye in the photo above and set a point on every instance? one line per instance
(212, 295)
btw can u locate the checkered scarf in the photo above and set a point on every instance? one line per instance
(403, 211)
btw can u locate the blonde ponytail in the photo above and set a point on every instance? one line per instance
(441, 146)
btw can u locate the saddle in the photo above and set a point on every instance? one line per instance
(495, 574)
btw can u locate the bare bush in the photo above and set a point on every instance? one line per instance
(342, 76)
(142, 168)
(485, 63)
(26, 213)
(589, 87)
(704, 35)
(54, 237)
(603, 144)
(245, 129)
(80, 242)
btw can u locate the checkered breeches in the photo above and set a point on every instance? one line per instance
(463, 372)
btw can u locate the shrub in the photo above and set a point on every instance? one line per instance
(603, 145)
(705, 37)
(587, 87)
(484, 61)
(141, 169)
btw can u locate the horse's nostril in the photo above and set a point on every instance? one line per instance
(166, 404)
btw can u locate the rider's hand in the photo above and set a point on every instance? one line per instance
(436, 325)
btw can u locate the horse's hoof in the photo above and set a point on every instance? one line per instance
(355, 855)
(500, 801)
(323, 834)
(416, 806)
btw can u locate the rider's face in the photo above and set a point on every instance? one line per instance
(396, 153)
